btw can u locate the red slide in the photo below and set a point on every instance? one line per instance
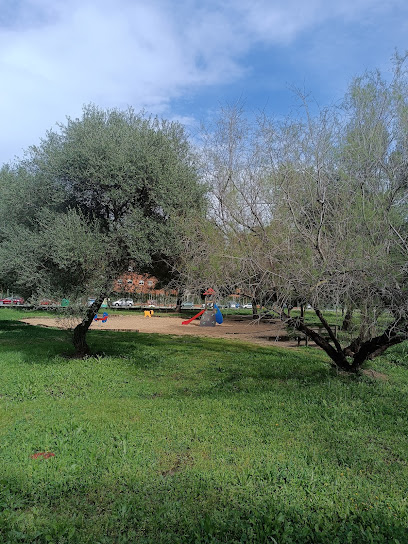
(192, 319)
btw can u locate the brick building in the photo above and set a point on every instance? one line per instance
(141, 287)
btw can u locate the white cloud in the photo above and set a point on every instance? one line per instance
(280, 22)
(110, 54)
(56, 55)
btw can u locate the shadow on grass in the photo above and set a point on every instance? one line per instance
(35, 344)
(217, 365)
(185, 509)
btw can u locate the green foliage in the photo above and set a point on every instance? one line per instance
(162, 439)
(107, 188)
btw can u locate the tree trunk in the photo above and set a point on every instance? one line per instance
(347, 320)
(178, 303)
(337, 356)
(373, 347)
(350, 358)
(79, 335)
(254, 309)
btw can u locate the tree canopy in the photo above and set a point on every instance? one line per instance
(312, 210)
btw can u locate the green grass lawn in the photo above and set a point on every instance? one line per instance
(163, 439)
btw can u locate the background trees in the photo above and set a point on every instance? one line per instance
(111, 187)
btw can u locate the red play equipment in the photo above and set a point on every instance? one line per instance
(192, 319)
(212, 314)
(104, 319)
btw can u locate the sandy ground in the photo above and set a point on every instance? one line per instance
(237, 328)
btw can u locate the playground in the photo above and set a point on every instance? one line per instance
(242, 328)
(208, 322)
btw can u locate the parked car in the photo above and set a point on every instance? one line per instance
(11, 300)
(123, 302)
(186, 305)
(247, 306)
(233, 305)
(46, 302)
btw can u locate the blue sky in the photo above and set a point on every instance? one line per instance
(182, 59)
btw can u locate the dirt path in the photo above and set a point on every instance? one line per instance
(237, 328)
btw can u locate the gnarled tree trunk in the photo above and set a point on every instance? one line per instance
(347, 320)
(351, 357)
(79, 335)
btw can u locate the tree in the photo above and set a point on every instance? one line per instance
(121, 186)
(325, 196)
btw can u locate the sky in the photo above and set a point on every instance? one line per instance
(182, 59)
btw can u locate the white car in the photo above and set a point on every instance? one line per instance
(247, 306)
(123, 302)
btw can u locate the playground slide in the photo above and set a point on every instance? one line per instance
(192, 319)
(218, 316)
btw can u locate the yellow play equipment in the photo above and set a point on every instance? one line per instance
(148, 313)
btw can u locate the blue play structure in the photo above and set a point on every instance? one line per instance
(218, 315)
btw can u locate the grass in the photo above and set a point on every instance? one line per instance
(162, 439)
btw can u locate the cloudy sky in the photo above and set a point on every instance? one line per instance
(183, 58)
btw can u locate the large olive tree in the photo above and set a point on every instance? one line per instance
(115, 186)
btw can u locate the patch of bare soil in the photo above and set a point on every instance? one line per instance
(181, 462)
(374, 374)
(271, 333)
